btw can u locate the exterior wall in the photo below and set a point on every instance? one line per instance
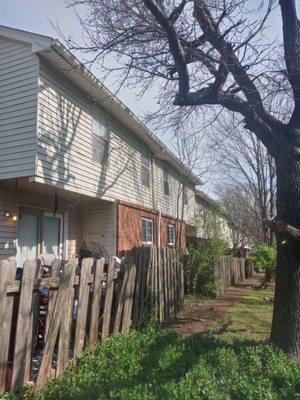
(65, 147)
(172, 204)
(64, 155)
(129, 230)
(18, 109)
(11, 200)
(200, 208)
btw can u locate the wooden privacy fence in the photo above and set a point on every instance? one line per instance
(232, 270)
(45, 321)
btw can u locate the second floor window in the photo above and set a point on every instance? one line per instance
(100, 137)
(185, 196)
(166, 183)
(145, 169)
(147, 231)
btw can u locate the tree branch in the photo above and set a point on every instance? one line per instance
(286, 230)
(174, 43)
(291, 39)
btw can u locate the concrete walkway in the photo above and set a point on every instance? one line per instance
(203, 316)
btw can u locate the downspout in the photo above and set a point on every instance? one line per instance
(158, 229)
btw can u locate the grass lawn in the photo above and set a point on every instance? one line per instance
(234, 362)
(249, 319)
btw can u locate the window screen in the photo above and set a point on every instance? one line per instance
(171, 234)
(100, 137)
(145, 170)
(166, 183)
(147, 230)
(185, 197)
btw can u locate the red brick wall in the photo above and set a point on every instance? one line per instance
(129, 226)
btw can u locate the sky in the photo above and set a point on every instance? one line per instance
(39, 16)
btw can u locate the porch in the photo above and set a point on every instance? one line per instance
(38, 219)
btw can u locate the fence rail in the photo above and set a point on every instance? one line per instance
(45, 321)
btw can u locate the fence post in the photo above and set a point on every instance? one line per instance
(66, 283)
(23, 342)
(108, 298)
(7, 273)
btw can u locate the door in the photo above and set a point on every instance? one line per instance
(28, 235)
(39, 232)
(52, 234)
(93, 227)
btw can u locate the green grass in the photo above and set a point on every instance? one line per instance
(251, 318)
(157, 364)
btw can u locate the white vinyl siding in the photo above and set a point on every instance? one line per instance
(11, 199)
(18, 109)
(172, 205)
(64, 140)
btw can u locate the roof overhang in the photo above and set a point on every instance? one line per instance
(67, 64)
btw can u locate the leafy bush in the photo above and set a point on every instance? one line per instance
(200, 273)
(158, 364)
(264, 258)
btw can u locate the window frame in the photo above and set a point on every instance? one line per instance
(147, 220)
(166, 181)
(100, 118)
(145, 156)
(185, 196)
(172, 226)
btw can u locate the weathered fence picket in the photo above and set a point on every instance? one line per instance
(83, 304)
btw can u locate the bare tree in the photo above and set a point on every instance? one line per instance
(243, 216)
(214, 53)
(244, 163)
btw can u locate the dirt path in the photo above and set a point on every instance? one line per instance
(203, 316)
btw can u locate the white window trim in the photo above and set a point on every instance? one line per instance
(174, 234)
(148, 167)
(106, 139)
(147, 220)
(166, 178)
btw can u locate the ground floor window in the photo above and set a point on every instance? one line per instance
(171, 234)
(39, 232)
(147, 231)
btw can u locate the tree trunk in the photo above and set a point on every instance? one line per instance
(285, 331)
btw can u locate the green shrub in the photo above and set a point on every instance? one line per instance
(200, 273)
(158, 364)
(264, 258)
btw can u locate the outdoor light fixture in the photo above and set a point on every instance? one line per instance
(10, 217)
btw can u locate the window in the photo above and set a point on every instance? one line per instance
(100, 137)
(145, 169)
(147, 231)
(171, 234)
(185, 197)
(166, 183)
